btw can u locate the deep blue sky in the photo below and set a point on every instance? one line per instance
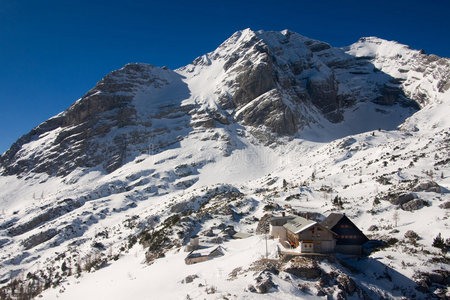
(52, 52)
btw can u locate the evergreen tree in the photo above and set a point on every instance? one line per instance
(336, 200)
(438, 242)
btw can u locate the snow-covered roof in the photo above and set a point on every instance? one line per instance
(298, 224)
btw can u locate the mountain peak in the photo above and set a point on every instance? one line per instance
(275, 83)
(372, 46)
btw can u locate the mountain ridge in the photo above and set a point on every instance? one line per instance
(281, 81)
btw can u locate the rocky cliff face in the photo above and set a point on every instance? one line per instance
(101, 129)
(275, 83)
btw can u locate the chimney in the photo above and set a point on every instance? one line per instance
(283, 214)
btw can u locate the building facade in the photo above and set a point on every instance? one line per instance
(350, 238)
(305, 235)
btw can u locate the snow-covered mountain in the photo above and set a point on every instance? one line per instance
(269, 121)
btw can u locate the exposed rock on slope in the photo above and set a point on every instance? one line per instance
(101, 129)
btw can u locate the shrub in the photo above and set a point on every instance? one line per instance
(438, 242)
(268, 207)
(411, 235)
(131, 241)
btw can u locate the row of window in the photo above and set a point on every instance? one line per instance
(345, 226)
(348, 236)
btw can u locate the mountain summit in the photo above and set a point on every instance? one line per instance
(273, 83)
(269, 122)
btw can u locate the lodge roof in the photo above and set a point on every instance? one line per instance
(298, 224)
(332, 220)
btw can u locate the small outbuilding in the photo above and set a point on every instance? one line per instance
(350, 238)
(205, 254)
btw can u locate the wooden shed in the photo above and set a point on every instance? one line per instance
(205, 254)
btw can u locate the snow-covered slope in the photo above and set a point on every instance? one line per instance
(268, 121)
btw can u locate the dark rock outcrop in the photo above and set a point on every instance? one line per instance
(252, 83)
(426, 280)
(39, 238)
(270, 111)
(403, 198)
(323, 93)
(303, 268)
(411, 235)
(429, 186)
(372, 228)
(264, 283)
(61, 208)
(347, 284)
(445, 205)
(414, 205)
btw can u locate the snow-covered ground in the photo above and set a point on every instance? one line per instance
(165, 279)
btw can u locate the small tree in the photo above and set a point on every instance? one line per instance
(438, 242)
(376, 201)
(336, 201)
(396, 217)
(78, 269)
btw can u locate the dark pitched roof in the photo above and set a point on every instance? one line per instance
(332, 220)
(205, 252)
